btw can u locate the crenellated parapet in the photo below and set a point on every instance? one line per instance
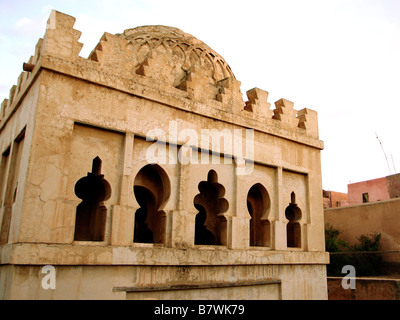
(191, 184)
(61, 39)
(284, 115)
(115, 53)
(258, 104)
(167, 61)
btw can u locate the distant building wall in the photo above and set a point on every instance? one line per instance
(334, 199)
(393, 183)
(374, 190)
(379, 217)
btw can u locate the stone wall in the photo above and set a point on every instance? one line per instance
(154, 121)
(366, 289)
(379, 217)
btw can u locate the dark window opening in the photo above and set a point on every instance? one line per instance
(211, 225)
(293, 230)
(11, 174)
(365, 197)
(144, 215)
(152, 190)
(91, 213)
(258, 205)
(3, 172)
(203, 236)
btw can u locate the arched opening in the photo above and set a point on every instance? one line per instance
(203, 236)
(210, 228)
(152, 190)
(293, 230)
(91, 213)
(258, 204)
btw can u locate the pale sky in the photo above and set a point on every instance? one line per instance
(338, 57)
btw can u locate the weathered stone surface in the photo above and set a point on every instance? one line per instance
(236, 160)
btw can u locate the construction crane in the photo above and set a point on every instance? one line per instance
(384, 153)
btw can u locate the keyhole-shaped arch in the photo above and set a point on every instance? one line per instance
(258, 205)
(152, 190)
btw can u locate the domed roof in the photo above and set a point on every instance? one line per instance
(185, 50)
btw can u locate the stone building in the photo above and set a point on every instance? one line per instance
(141, 173)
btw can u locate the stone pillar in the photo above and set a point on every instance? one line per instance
(279, 225)
(182, 220)
(123, 214)
(239, 225)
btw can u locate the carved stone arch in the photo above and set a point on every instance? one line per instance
(143, 52)
(229, 70)
(163, 64)
(156, 42)
(165, 48)
(220, 72)
(207, 64)
(91, 213)
(179, 57)
(130, 45)
(152, 190)
(293, 229)
(177, 49)
(259, 205)
(194, 56)
(211, 224)
(198, 74)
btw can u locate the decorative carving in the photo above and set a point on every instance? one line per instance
(172, 61)
(210, 221)
(229, 88)
(258, 205)
(170, 56)
(152, 189)
(12, 94)
(308, 120)
(286, 113)
(114, 53)
(61, 39)
(4, 105)
(258, 103)
(293, 229)
(91, 214)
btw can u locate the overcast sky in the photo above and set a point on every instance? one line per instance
(338, 57)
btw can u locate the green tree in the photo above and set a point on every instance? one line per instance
(334, 244)
(367, 259)
(332, 241)
(364, 255)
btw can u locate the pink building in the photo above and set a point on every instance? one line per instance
(374, 190)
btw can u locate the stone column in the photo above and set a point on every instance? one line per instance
(279, 226)
(123, 214)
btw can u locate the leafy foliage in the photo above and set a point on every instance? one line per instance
(363, 255)
(332, 241)
(367, 264)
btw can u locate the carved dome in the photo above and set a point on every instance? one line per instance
(170, 57)
(185, 50)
